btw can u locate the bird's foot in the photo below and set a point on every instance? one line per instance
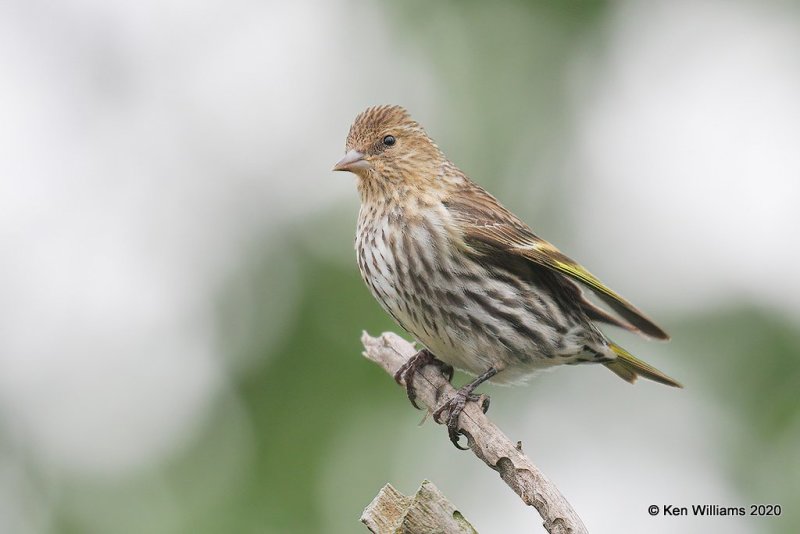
(405, 375)
(454, 406)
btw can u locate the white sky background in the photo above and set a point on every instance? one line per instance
(689, 149)
(145, 143)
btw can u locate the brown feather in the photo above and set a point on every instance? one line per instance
(490, 228)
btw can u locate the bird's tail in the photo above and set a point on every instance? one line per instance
(629, 368)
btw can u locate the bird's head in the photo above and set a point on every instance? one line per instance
(386, 144)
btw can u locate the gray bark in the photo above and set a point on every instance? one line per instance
(485, 440)
(427, 512)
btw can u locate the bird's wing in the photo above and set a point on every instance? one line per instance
(488, 227)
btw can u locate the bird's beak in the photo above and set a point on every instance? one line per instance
(351, 161)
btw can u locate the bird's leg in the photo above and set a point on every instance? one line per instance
(405, 375)
(455, 405)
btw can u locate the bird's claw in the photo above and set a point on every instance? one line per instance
(405, 374)
(454, 406)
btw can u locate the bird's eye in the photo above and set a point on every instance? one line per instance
(389, 140)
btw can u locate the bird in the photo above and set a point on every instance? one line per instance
(468, 279)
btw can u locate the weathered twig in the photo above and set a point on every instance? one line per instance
(487, 441)
(427, 511)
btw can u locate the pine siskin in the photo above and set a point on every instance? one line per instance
(468, 279)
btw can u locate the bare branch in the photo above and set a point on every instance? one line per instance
(485, 440)
(427, 511)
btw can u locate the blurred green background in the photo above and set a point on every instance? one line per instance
(182, 310)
